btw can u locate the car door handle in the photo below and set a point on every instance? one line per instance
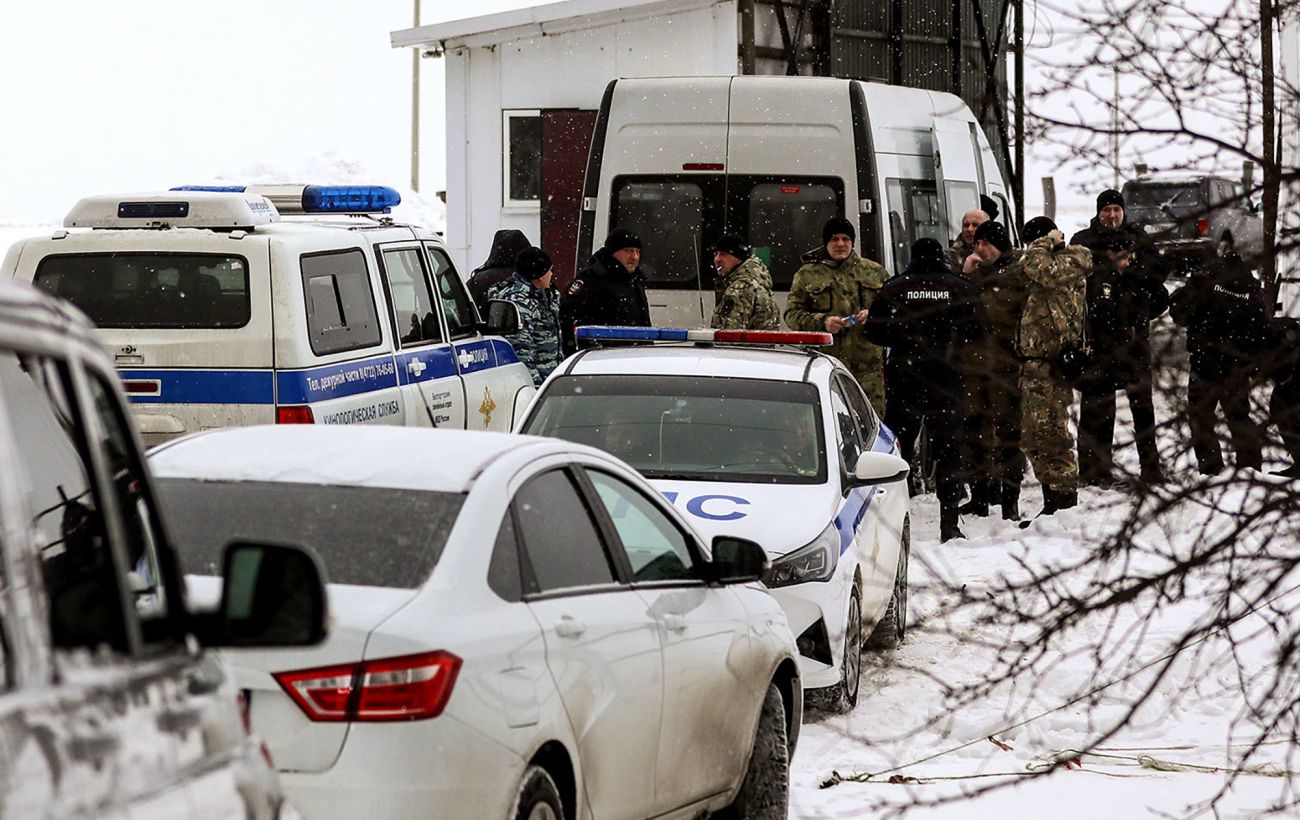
(570, 628)
(674, 623)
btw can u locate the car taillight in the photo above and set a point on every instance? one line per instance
(413, 687)
(1202, 227)
(297, 414)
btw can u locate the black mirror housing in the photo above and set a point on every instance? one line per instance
(502, 318)
(272, 595)
(738, 561)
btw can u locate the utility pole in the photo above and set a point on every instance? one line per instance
(1271, 177)
(1018, 180)
(1114, 129)
(415, 108)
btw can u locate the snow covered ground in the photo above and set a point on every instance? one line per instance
(905, 724)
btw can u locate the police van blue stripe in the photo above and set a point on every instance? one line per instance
(205, 386)
(335, 381)
(473, 357)
(423, 365)
(505, 353)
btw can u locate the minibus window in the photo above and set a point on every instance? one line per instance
(669, 217)
(960, 197)
(785, 220)
(913, 211)
(341, 311)
(151, 290)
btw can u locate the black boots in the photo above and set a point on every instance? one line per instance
(1010, 502)
(1054, 501)
(948, 530)
(981, 495)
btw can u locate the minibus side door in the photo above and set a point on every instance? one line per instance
(957, 170)
(426, 367)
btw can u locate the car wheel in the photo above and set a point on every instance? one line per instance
(765, 791)
(538, 798)
(843, 696)
(891, 629)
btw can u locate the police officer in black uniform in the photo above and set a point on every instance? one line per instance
(927, 317)
(1227, 324)
(609, 290)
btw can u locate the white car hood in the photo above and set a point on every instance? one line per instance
(779, 517)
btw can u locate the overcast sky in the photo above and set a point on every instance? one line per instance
(145, 94)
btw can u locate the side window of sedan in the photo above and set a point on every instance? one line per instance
(846, 428)
(655, 547)
(562, 542)
(76, 558)
(868, 422)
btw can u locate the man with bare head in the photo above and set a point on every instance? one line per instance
(964, 245)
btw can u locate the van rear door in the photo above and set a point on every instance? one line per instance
(958, 169)
(186, 318)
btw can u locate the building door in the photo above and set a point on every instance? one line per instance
(566, 141)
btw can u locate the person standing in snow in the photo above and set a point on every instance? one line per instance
(927, 316)
(746, 301)
(831, 292)
(1051, 324)
(609, 290)
(963, 245)
(537, 342)
(497, 268)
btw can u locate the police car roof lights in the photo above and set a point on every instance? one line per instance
(614, 333)
(316, 199)
(188, 209)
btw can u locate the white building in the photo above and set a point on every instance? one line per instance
(522, 92)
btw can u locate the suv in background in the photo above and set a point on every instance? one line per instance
(109, 704)
(1194, 219)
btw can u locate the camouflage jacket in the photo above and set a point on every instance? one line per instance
(957, 253)
(1056, 297)
(538, 341)
(746, 302)
(1002, 289)
(823, 287)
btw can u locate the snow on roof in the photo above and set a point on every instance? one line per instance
(548, 19)
(348, 455)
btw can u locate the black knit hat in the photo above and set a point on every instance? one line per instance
(926, 248)
(989, 205)
(838, 224)
(994, 234)
(1116, 240)
(1037, 228)
(621, 238)
(1109, 197)
(733, 244)
(532, 263)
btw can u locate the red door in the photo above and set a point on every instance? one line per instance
(566, 141)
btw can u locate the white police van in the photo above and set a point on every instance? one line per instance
(219, 313)
(757, 434)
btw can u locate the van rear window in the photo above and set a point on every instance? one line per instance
(151, 290)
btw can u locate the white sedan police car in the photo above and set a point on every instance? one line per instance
(753, 434)
(521, 628)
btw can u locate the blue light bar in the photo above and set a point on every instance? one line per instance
(218, 189)
(620, 333)
(349, 199)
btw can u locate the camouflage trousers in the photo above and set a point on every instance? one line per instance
(1045, 438)
(873, 384)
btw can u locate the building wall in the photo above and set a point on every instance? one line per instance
(564, 70)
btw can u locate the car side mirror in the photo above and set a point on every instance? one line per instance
(272, 595)
(737, 561)
(502, 318)
(879, 468)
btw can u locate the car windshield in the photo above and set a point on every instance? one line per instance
(363, 535)
(148, 290)
(692, 428)
(1155, 202)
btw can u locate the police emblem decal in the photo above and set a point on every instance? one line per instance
(487, 407)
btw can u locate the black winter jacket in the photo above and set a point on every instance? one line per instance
(927, 317)
(497, 268)
(1226, 322)
(603, 293)
(1121, 306)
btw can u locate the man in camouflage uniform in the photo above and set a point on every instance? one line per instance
(835, 285)
(995, 465)
(745, 301)
(964, 245)
(537, 343)
(1052, 322)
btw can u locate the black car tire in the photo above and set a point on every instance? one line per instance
(765, 792)
(843, 696)
(538, 798)
(892, 628)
